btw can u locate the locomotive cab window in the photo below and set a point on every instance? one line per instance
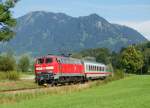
(49, 60)
(40, 61)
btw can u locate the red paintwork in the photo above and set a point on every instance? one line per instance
(64, 68)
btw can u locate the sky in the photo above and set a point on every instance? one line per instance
(132, 13)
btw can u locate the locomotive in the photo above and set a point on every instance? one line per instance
(53, 70)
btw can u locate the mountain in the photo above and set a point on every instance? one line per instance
(42, 33)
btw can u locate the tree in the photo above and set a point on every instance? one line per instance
(103, 56)
(132, 59)
(24, 63)
(146, 65)
(6, 20)
(7, 63)
(145, 49)
(115, 60)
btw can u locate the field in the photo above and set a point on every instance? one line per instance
(24, 81)
(130, 92)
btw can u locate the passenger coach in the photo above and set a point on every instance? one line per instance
(94, 70)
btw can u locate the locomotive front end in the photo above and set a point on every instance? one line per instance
(44, 70)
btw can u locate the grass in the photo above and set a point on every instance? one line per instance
(15, 80)
(10, 75)
(130, 92)
(19, 84)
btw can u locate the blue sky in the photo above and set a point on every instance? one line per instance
(127, 12)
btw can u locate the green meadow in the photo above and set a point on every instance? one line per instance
(130, 92)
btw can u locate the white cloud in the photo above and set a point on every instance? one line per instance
(142, 27)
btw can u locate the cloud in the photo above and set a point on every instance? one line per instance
(142, 27)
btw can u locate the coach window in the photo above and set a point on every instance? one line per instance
(89, 68)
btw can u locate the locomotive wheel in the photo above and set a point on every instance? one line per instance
(82, 80)
(40, 83)
(54, 83)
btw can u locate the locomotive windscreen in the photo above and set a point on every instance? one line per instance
(40, 61)
(48, 60)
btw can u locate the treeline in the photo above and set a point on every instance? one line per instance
(8, 62)
(133, 59)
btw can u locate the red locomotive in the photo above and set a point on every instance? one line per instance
(57, 69)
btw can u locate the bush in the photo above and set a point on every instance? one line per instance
(11, 75)
(24, 63)
(119, 74)
(2, 75)
(7, 63)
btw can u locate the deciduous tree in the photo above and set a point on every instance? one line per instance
(24, 63)
(132, 59)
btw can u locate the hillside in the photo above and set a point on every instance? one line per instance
(41, 33)
(131, 92)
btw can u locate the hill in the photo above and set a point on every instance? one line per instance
(131, 92)
(41, 33)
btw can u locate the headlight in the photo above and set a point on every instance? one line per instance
(39, 68)
(49, 67)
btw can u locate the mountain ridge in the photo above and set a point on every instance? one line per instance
(41, 32)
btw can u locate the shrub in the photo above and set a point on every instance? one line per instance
(24, 63)
(11, 75)
(7, 63)
(119, 74)
(2, 75)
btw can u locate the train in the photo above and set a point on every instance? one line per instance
(52, 69)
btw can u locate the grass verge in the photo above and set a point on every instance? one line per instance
(130, 92)
(17, 96)
(10, 75)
